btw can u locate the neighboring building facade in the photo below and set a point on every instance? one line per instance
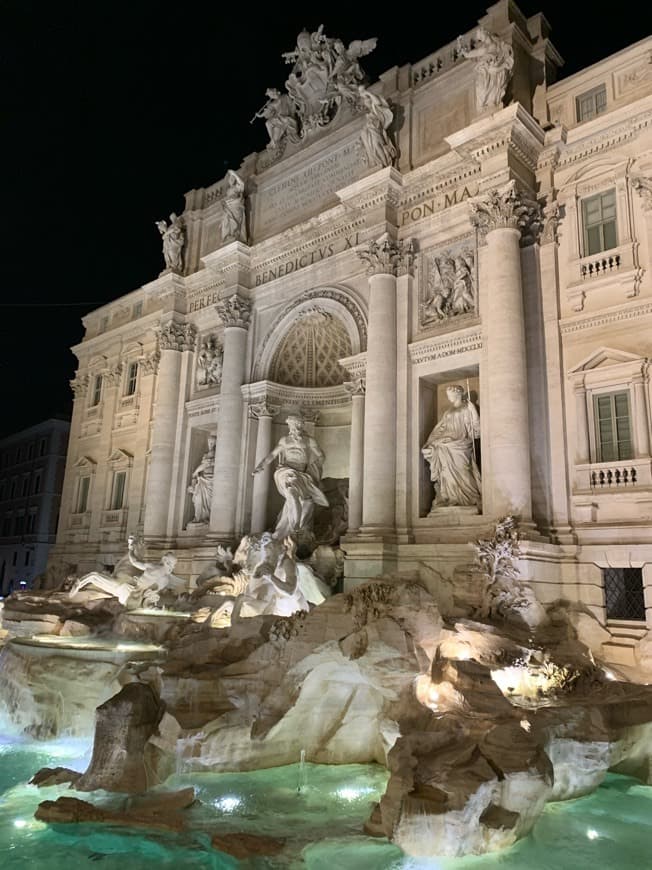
(507, 250)
(32, 466)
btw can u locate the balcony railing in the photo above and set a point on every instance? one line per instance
(607, 477)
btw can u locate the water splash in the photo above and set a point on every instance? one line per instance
(303, 773)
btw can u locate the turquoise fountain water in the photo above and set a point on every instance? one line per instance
(322, 824)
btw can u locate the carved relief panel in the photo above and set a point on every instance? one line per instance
(449, 283)
(208, 371)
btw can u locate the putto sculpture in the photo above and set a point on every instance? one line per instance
(325, 72)
(493, 69)
(298, 473)
(174, 239)
(450, 453)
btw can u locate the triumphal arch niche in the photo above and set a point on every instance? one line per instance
(300, 371)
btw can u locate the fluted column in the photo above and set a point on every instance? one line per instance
(265, 414)
(379, 476)
(581, 426)
(501, 216)
(641, 425)
(173, 339)
(234, 313)
(356, 452)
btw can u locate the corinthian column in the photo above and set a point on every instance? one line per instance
(234, 313)
(356, 453)
(384, 257)
(265, 414)
(173, 339)
(501, 216)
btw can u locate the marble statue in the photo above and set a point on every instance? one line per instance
(297, 477)
(209, 363)
(134, 592)
(494, 63)
(280, 121)
(233, 218)
(451, 286)
(378, 146)
(450, 452)
(201, 484)
(174, 238)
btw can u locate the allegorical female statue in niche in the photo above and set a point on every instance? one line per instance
(450, 452)
(201, 484)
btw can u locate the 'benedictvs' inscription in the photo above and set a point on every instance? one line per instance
(308, 189)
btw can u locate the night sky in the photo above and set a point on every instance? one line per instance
(112, 110)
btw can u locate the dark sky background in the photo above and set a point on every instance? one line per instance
(111, 110)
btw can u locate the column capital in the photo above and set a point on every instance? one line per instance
(112, 375)
(263, 409)
(235, 311)
(176, 336)
(385, 256)
(79, 385)
(356, 387)
(149, 363)
(643, 186)
(505, 208)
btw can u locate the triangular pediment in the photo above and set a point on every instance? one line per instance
(604, 357)
(85, 462)
(120, 456)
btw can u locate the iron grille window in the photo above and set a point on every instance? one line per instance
(599, 220)
(623, 592)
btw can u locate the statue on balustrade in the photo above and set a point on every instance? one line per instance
(375, 137)
(201, 483)
(450, 453)
(298, 474)
(493, 69)
(174, 238)
(233, 217)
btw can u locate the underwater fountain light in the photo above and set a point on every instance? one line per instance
(353, 794)
(228, 803)
(592, 834)
(20, 823)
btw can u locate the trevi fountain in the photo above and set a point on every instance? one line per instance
(262, 714)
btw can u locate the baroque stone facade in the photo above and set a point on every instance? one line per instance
(467, 221)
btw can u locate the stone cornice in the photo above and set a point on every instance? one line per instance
(603, 140)
(356, 365)
(604, 318)
(451, 344)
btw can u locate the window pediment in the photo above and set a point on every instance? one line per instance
(605, 357)
(120, 458)
(85, 463)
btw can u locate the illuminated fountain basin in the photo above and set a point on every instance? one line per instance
(322, 824)
(50, 685)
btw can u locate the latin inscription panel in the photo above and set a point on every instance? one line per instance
(306, 191)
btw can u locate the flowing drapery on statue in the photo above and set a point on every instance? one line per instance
(201, 484)
(297, 476)
(450, 453)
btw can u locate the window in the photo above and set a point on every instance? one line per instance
(19, 455)
(25, 490)
(132, 375)
(26, 558)
(30, 451)
(36, 488)
(118, 490)
(43, 446)
(591, 103)
(623, 593)
(613, 430)
(82, 495)
(15, 558)
(599, 220)
(31, 523)
(3, 486)
(14, 487)
(97, 391)
(6, 526)
(137, 309)
(19, 525)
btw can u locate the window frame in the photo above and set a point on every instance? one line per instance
(97, 390)
(131, 379)
(591, 94)
(119, 473)
(82, 498)
(587, 226)
(614, 417)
